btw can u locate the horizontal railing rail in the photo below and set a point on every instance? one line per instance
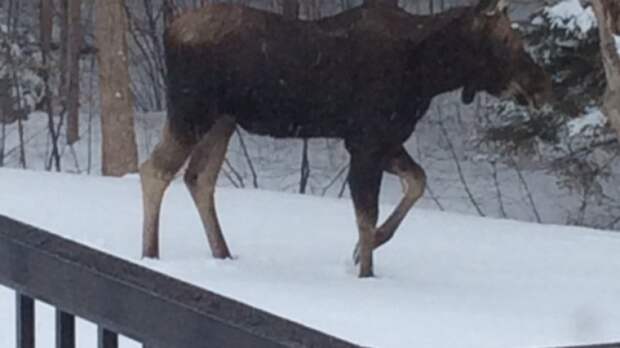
(130, 300)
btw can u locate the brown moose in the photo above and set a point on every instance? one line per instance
(366, 76)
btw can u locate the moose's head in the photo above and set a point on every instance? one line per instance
(506, 69)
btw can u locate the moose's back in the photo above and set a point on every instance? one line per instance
(289, 78)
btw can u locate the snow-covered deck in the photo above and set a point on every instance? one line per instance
(444, 281)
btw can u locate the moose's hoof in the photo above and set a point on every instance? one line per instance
(222, 254)
(150, 251)
(223, 257)
(366, 273)
(151, 256)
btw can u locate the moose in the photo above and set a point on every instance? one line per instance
(365, 76)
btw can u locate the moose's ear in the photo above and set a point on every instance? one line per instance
(491, 7)
(468, 94)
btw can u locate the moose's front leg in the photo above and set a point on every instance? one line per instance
(364, 182)
(414, 179)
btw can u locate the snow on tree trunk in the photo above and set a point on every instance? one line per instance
(608, 15)
(119, 150)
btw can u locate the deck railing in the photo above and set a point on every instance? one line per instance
(130, 300)
(126, 299)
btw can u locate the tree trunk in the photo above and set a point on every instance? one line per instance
(290, 9)
(47, 27)
(71, 88)
(168, 11)
(389, 3)
(608, 16)
(13, 16)
(119, 152)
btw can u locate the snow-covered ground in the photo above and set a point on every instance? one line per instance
(445, 280)
(277, 163)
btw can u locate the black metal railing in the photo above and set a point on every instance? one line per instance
(126, 299)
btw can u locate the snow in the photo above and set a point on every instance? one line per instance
(445, 280)
(538, 20)
(592, 120)
(571, 15)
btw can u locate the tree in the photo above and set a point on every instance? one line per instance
(13, 16)
(72, 43)
(391, 3)
(119, 150)
(608, 16)
(47, 27)
(290, 9)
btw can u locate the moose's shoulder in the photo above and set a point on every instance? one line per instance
(213, 23)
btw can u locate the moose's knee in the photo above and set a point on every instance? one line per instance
(149, 171)
(419, 175)
(190, 178)
(199, 182)
(416, 182)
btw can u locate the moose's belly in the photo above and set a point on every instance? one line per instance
(329, 108)
(299, 124)
(383, 123)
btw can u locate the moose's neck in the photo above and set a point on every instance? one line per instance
(446, 59)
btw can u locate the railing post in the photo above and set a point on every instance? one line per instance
(106, 339)
(25, 321)
(65, 330)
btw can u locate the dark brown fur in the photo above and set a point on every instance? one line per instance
(366, 76)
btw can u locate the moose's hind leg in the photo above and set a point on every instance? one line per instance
(201, 177)
(155, 176)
